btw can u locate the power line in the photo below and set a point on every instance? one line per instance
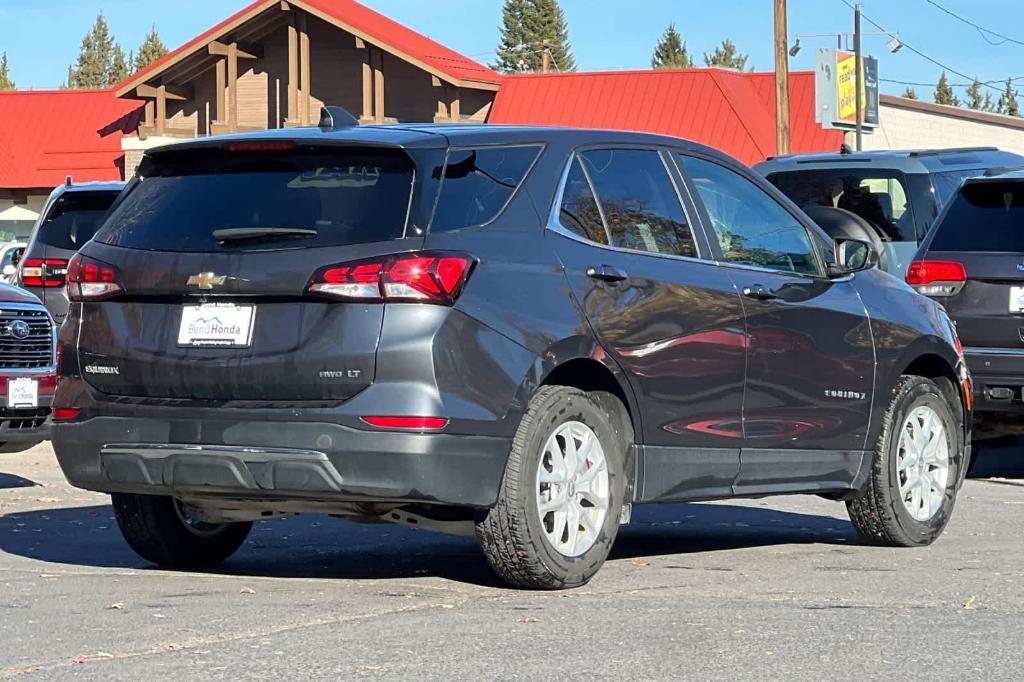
(952, 85)
(984, 32)
(913, 49)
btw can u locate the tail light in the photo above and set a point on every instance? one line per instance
(427, 277)
(411, 423)
(90, 279)
(63, 414)
(937, 277)
(43, 272)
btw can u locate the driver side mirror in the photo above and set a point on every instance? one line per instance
(852, 255)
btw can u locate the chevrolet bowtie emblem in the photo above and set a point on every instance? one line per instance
(206, 280)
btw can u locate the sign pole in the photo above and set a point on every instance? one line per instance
(859, 71)
(781, 80)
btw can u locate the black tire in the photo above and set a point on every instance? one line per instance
(511, 533)
(880, 516)
(154, 528)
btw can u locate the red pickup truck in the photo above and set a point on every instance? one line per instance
(28, 372)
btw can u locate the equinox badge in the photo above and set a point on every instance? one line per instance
(206, 280)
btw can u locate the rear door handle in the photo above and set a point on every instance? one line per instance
(759, 292)
(607, 273)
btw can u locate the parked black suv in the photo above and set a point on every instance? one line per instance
(513, 331)
(973, 263)
(68, 220)
(899, 193)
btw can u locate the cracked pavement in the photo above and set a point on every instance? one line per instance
(746, 589)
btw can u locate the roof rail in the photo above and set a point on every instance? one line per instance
(1000, 170)
(951, 150)
(334, 118)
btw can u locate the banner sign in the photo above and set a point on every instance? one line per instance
(835, 88)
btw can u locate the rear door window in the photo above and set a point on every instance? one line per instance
(638, 201)
(333, 196)
(74, 218)
(983, 216)
(578, 211)
(479, 183)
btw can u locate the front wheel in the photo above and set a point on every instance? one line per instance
(558, 509)
(160, 530)
(916, 469)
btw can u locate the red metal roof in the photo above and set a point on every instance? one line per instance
(728, 110)
(361, 20)
(47, 134)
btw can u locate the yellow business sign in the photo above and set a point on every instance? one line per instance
(846, 81)
(836, 89)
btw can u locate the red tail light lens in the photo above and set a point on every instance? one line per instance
(90, 279)
(937, 277)
(63, 414)
(428, 277)
(39, 272)
(412, 423)
(260, 146)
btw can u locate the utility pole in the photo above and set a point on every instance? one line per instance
(781, 79)
(547, 60)
(859, 73)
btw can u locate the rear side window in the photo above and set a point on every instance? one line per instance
(638, 201)
(334, 196)
(579, 212)
(984, 216)
(74, 218)
(478, 184)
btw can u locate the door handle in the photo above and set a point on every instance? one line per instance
(607, 273)
(759, 292)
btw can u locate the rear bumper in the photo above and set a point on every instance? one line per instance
(998, 375)
(25, 426)
(261, 460)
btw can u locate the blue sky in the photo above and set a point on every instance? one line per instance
(43, 36)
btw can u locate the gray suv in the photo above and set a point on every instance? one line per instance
(68, 220)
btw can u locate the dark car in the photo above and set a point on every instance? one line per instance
(973, 263)
(28, 373)
(68, 220)
(517, 332)
(899, 193)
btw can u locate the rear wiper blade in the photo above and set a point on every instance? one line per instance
(235, 234)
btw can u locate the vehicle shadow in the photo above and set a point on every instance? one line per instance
(323, 547)
(8, 481)
(998, 458)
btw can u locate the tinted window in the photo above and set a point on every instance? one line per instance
(640, 205)
(752, 228)
(579, 211)
(947, 183)
(879, 196)
(74, 218)
(984, 216)
(478, 183)
(346, 196)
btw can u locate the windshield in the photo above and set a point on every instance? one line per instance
(325, 197)
(74, 218)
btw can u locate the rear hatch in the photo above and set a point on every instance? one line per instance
(974, 263)
(212, 253)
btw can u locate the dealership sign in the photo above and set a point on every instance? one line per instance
(835, 88)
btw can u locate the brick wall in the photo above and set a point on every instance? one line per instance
(912, 127)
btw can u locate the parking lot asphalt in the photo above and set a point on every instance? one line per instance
(758, 589)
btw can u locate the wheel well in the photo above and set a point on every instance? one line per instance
(590, 375)
(936, 368)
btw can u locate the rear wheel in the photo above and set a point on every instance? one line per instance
(161, 530)
(916, 469)
(558, 509)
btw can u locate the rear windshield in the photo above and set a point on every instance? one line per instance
(877, 195)
(308, 197)
(984, 216)
(74, 219)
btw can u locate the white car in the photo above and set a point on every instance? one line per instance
(10, 253)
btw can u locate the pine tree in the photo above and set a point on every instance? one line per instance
(5, 74)
(151, 49)
(670, 52)
(909, 93)
(1008, 100)
(988, 104)
(944, 92)
(117, 70)
(725, 56)
(529, 28)
(974, 99)
(93, 66)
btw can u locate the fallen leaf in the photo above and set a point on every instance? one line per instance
(159, 615)
(447, 606)
(969, 604)
(116, 605)
(247, 590)
(529, 619)
(641, 562)
(373, 667)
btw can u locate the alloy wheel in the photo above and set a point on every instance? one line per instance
(922, 467)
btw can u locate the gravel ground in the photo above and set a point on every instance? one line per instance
(761, 589)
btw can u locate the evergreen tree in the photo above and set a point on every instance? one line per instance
(5, 74)
(118, 70)
(944, 92)
(92, 69)
(725, 56)
(151, 49)
(513, 50)
(974, 99)
(529, 28)
(1008, 100)
(988, 104)
(670, 52)
(549, 29)
(909, 93)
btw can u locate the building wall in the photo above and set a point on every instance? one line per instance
(906, 128)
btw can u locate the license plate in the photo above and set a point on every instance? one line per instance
(22, 393)
(220, 325)
(1017, 299)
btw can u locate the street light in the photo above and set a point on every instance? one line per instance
(894, 45)
(795, 50)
